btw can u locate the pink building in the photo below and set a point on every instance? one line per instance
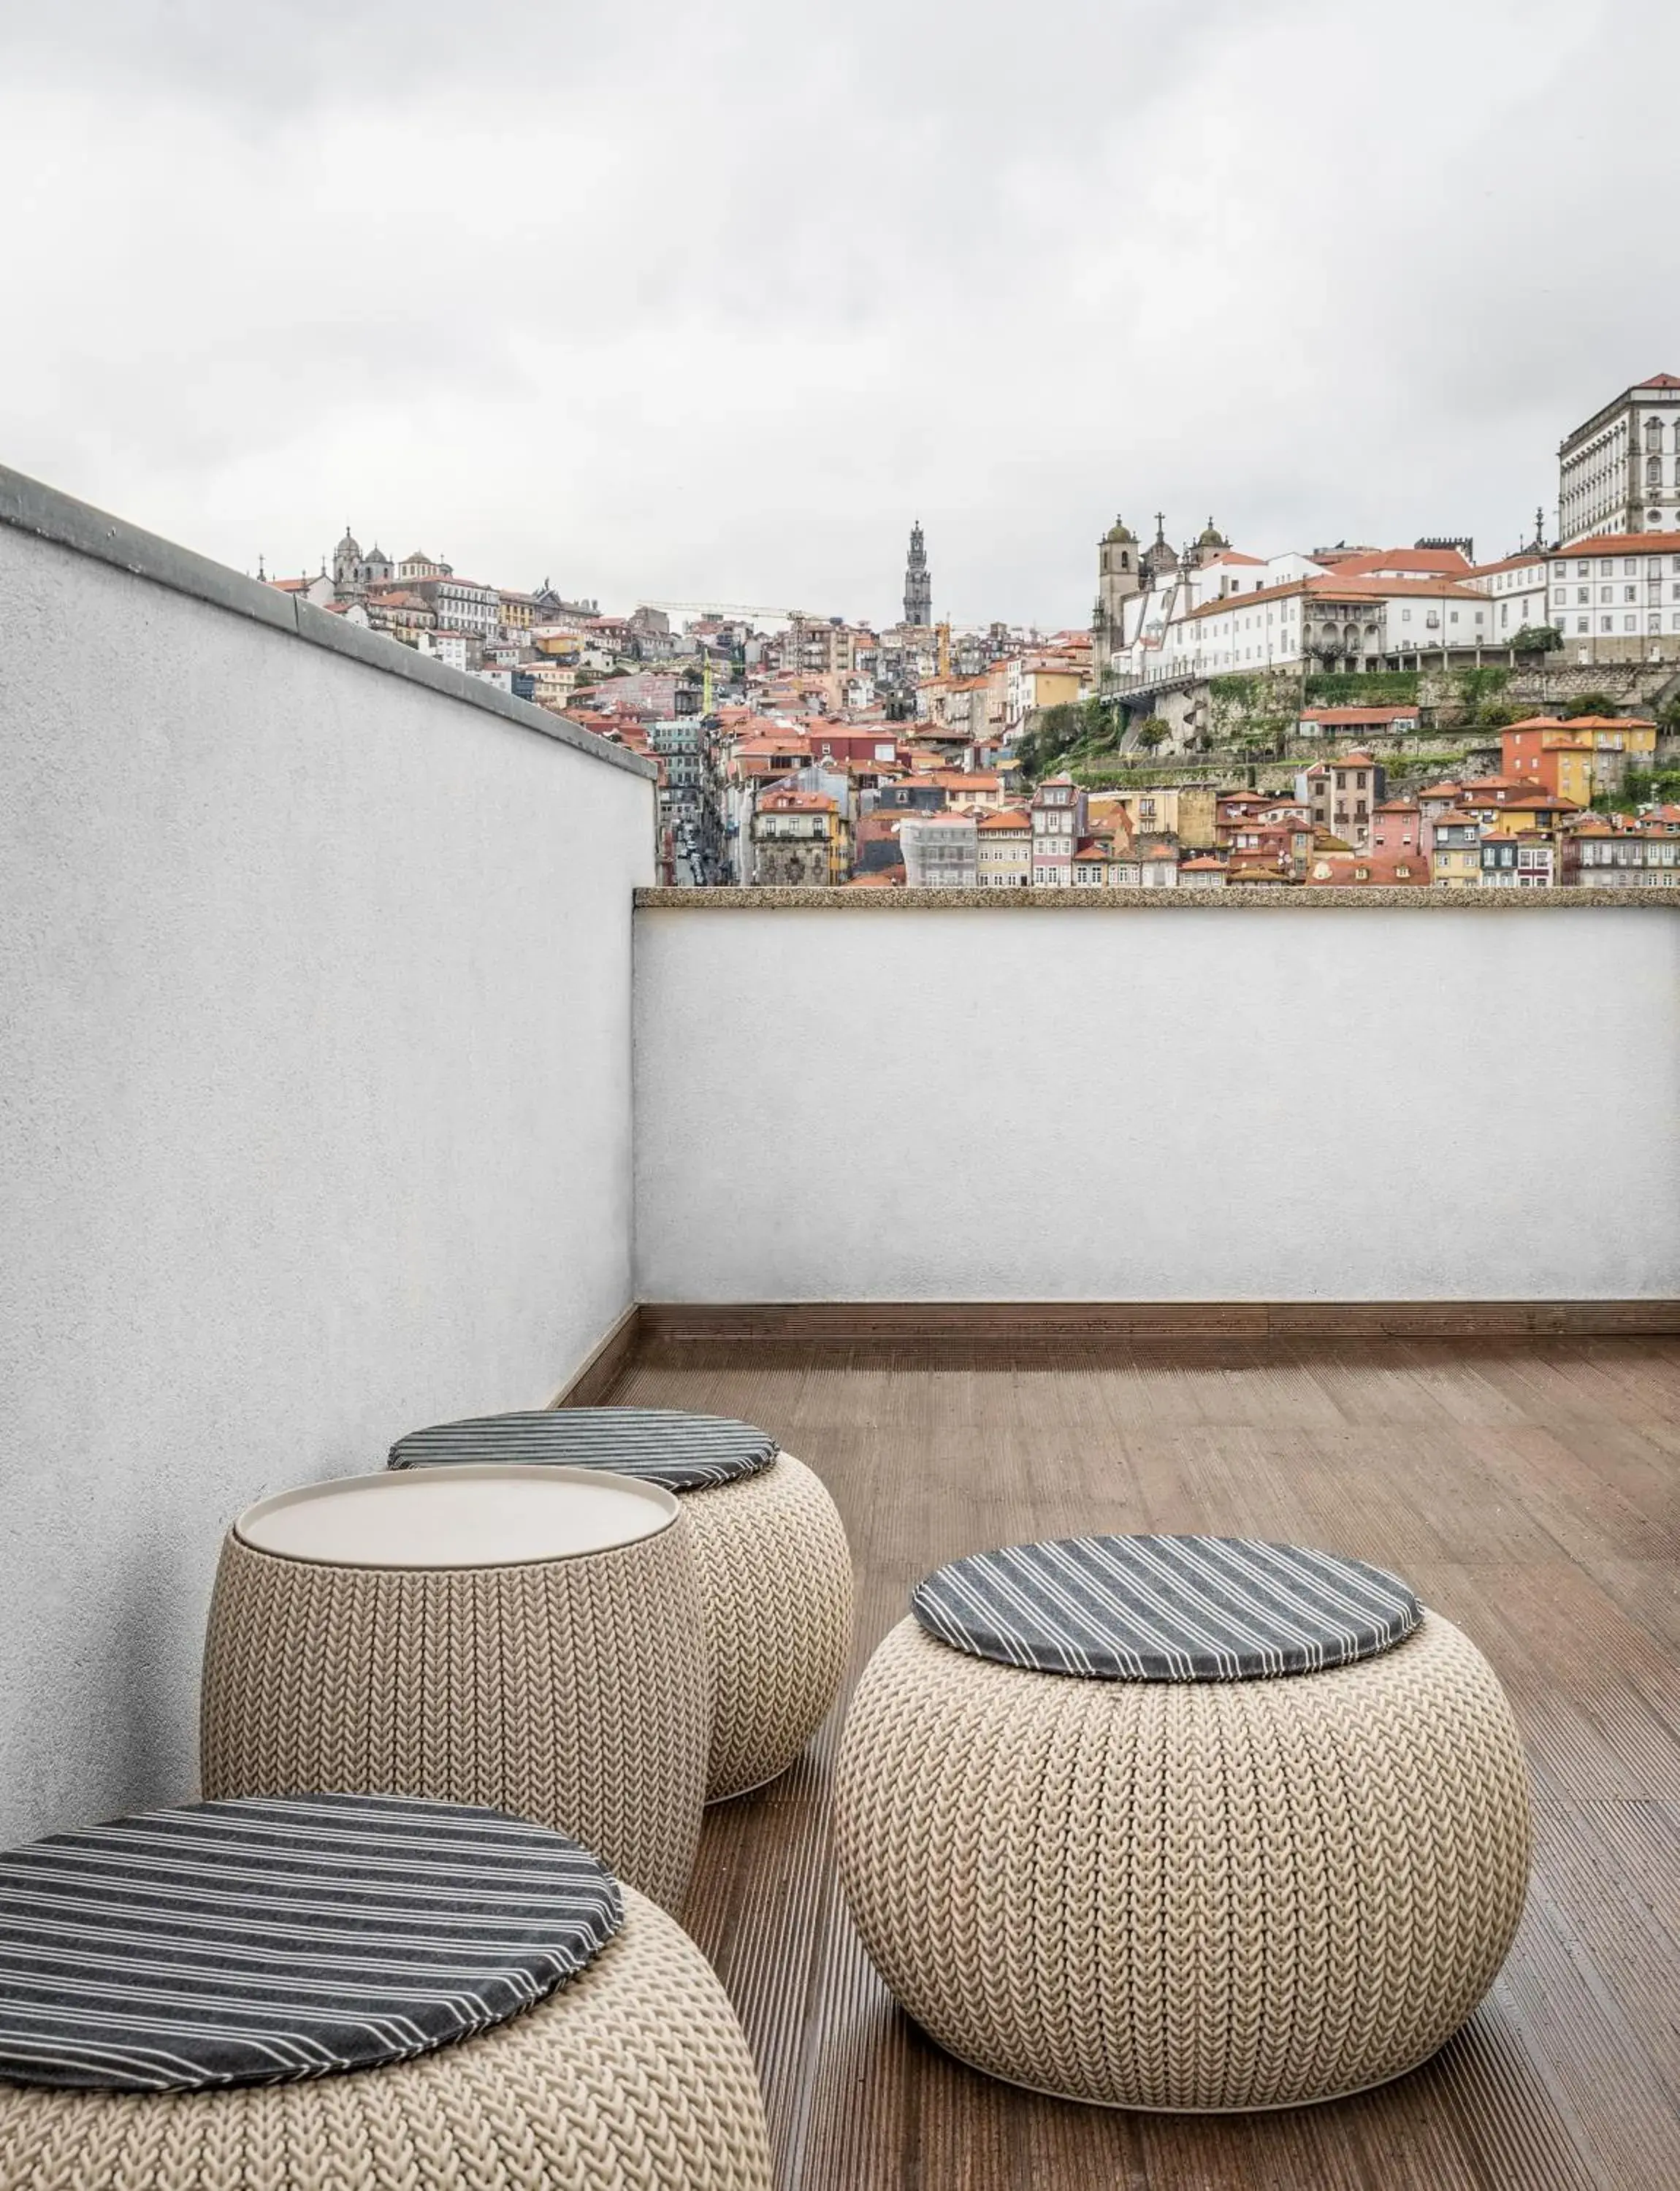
(1398, 826)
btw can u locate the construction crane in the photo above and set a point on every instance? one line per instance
(733, 609)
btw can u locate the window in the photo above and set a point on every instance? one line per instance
(1629, 623)
(1630, 593)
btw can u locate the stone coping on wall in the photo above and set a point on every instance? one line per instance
(1309, 898)
(28, 506)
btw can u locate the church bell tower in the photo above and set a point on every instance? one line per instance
(918, 583)
(1117, 580)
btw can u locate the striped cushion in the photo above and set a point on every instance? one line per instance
(661, 1445)
(1165, 1609)
(257, 1942)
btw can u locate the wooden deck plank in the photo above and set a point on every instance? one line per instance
(1530, 1487)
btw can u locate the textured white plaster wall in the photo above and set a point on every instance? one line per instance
(315, 1121)
(1211, 1105)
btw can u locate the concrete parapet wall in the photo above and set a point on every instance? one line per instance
(317, 1109)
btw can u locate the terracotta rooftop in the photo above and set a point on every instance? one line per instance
(797, 802)
(1350, 718)
(1623, 544)
(1437, 562)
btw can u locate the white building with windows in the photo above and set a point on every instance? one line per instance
(1370, 609)
(1517, 586)
(1616, 596)
(1342, 620)
(940, 851)
(1620, 471)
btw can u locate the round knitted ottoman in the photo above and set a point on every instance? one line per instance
(357, 1991)
(1181, 1821)
(527, 1637)
(775, 1566)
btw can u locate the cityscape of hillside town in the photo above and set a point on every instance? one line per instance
(1348, 716)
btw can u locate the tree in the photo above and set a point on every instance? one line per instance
(1590, 704)
(1494, 714)
(1151, 732)
(1537, 639)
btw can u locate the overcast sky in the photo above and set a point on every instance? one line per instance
(668, 302)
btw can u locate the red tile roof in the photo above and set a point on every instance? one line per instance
(1348, 719)
(1369, 870)
(797, 802)
(1624, 544)
(1509, 562)
(1437, 562)
(1607, 723)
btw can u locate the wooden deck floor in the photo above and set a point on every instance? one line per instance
(1527, 1489)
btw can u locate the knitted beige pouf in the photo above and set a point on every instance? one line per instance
(776, 1577)
(634, 2077)
(775, 1566)
(529, 1638)
(1185, 1892)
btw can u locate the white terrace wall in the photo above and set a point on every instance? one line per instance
(1200, 1103)
(316, 1097)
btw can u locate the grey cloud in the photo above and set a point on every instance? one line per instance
(712, 303)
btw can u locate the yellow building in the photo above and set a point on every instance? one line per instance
(801, 839)
(1005, 851)
(552, 682)
(1189, 811)
(1633, 736)
(1057, 687)
(1455, 861)
(1579, 755)
(1572, 773)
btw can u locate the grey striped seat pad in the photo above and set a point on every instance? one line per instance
(661, 1445)
(1165, 1609)
(257, 1942)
